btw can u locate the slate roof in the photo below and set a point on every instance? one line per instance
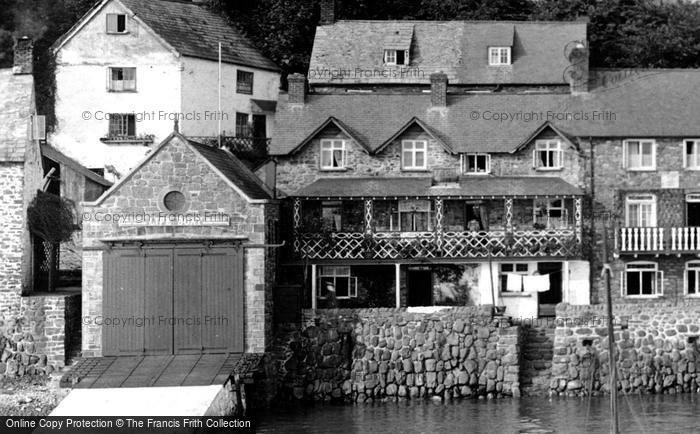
(643, 103)
(422, 186)
(458, 48)
(16, 109)
(54, 154)
(234, 170)
(192, 31)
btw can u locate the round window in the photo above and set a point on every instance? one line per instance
(174, 201)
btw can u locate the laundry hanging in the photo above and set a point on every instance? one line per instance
(514, 282)
(536, 283)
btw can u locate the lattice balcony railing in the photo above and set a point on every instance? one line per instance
(402, 245)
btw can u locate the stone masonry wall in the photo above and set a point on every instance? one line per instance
(657, 347)
(374, 354)
(11, 242)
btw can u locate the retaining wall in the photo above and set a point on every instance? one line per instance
(382, 353)
(657, 346)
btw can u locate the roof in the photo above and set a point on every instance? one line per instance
(263, 105)
(648, 103)
(54, 154)
(234, 170)
(238, 176)
(190, 29)
(16, 109)
(481, 186)
(457, 48)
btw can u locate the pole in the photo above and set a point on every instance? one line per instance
(218, 131)
(614, 422)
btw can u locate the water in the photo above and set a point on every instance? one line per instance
(638, 414)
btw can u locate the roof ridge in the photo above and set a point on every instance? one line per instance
(469, 21)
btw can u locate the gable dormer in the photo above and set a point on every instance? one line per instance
(397, 45)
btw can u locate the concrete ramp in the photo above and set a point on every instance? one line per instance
(193, 401)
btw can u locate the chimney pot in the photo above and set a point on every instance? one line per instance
(24, 56)
(297, 88)
(327, 12)
(438, 89)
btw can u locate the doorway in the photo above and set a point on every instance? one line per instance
(692, 211)
(420, 287)
(548, 300)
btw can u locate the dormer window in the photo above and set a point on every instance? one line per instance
(116, 23)
(396, 57)
(333, 154)
(476, 164)
(499, 56)
(548, 155)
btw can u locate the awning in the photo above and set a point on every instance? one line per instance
(263, 105)
(466, 187)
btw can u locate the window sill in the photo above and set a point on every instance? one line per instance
(243, 93)
(118, 33)
(641, 169)
(549, 169)
(499, 65)
(122, 91)
(643, 296)
(476, 174)
(403, 169)
(516, 294)
(126, 141)
(692, 169)
(343, 169)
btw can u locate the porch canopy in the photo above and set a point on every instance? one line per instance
(465, 187)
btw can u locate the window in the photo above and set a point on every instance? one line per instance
(174, 201)
(414, 216)
(641, 211)
(639, 154)
(550, 213)
(691, 157)
(692, 278)
(547, 155)
(242, 127)
(642, 279)
(413, 154)
(333, 154)
(122, 125)
(396, 57)
(385, 215)
(337, 281)
(244, 82)
(476, 164)
(345, 216)
(506, 269)
(122, 79)
(116, 23)
(499, 56)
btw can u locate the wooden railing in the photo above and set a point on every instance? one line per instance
(638, 240)
(407, 245)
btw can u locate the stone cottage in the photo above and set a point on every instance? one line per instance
(177, 256)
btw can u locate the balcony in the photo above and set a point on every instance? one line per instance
(245, 147)
(658, 240)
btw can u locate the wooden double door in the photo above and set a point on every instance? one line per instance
(172, 300)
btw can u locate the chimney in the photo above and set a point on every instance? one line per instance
(327, 12)
(297, 88)
(438, 89)
(24, 56)
(578, 74)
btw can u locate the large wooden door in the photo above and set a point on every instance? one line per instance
(181, 300)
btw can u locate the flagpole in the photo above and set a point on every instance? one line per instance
(612, 366)
(218, 117)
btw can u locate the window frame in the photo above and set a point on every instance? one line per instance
(244, 90)
(696, 147)
(464, 163)
(395, 57)
(414, 150)
(239, 128)
(650, 198)
(625, 155)
(544, 145)
(111, 81)
(352, 280)
(496, 52)
(695, 267)
(630, 268)
(502, 273)
(332, 143)
(125, 120)
(117, 32)
(402, 209)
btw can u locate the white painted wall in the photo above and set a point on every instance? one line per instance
(579, 287)
(81, 87)
(200, 78)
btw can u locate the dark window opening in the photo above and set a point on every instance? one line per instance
(244, 82)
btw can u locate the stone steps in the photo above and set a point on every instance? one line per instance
(537, 354)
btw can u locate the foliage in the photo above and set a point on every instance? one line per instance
(51, 217)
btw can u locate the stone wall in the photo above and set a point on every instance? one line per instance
(11, 243)
(37, 340)
(657, 346)
(375, 354)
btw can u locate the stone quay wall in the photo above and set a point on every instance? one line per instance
(35, 342)
(382, 353)
(657, 347)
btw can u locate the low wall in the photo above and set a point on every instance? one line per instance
(35, 342)
(657, 345)
(368, 354)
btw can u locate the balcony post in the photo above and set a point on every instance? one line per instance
(397, 273)
(509, 215)
(314, 289)
(297, 223)
(438, 223)
(369, 205)
(578, 218)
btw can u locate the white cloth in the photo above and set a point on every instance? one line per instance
(514, 282)
(536, 283)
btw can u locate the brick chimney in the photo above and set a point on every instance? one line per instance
(297, 88)
(577, 72)
(438, 89)
(24, 56)
(327, 12)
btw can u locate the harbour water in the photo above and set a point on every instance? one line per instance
(638, 414)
